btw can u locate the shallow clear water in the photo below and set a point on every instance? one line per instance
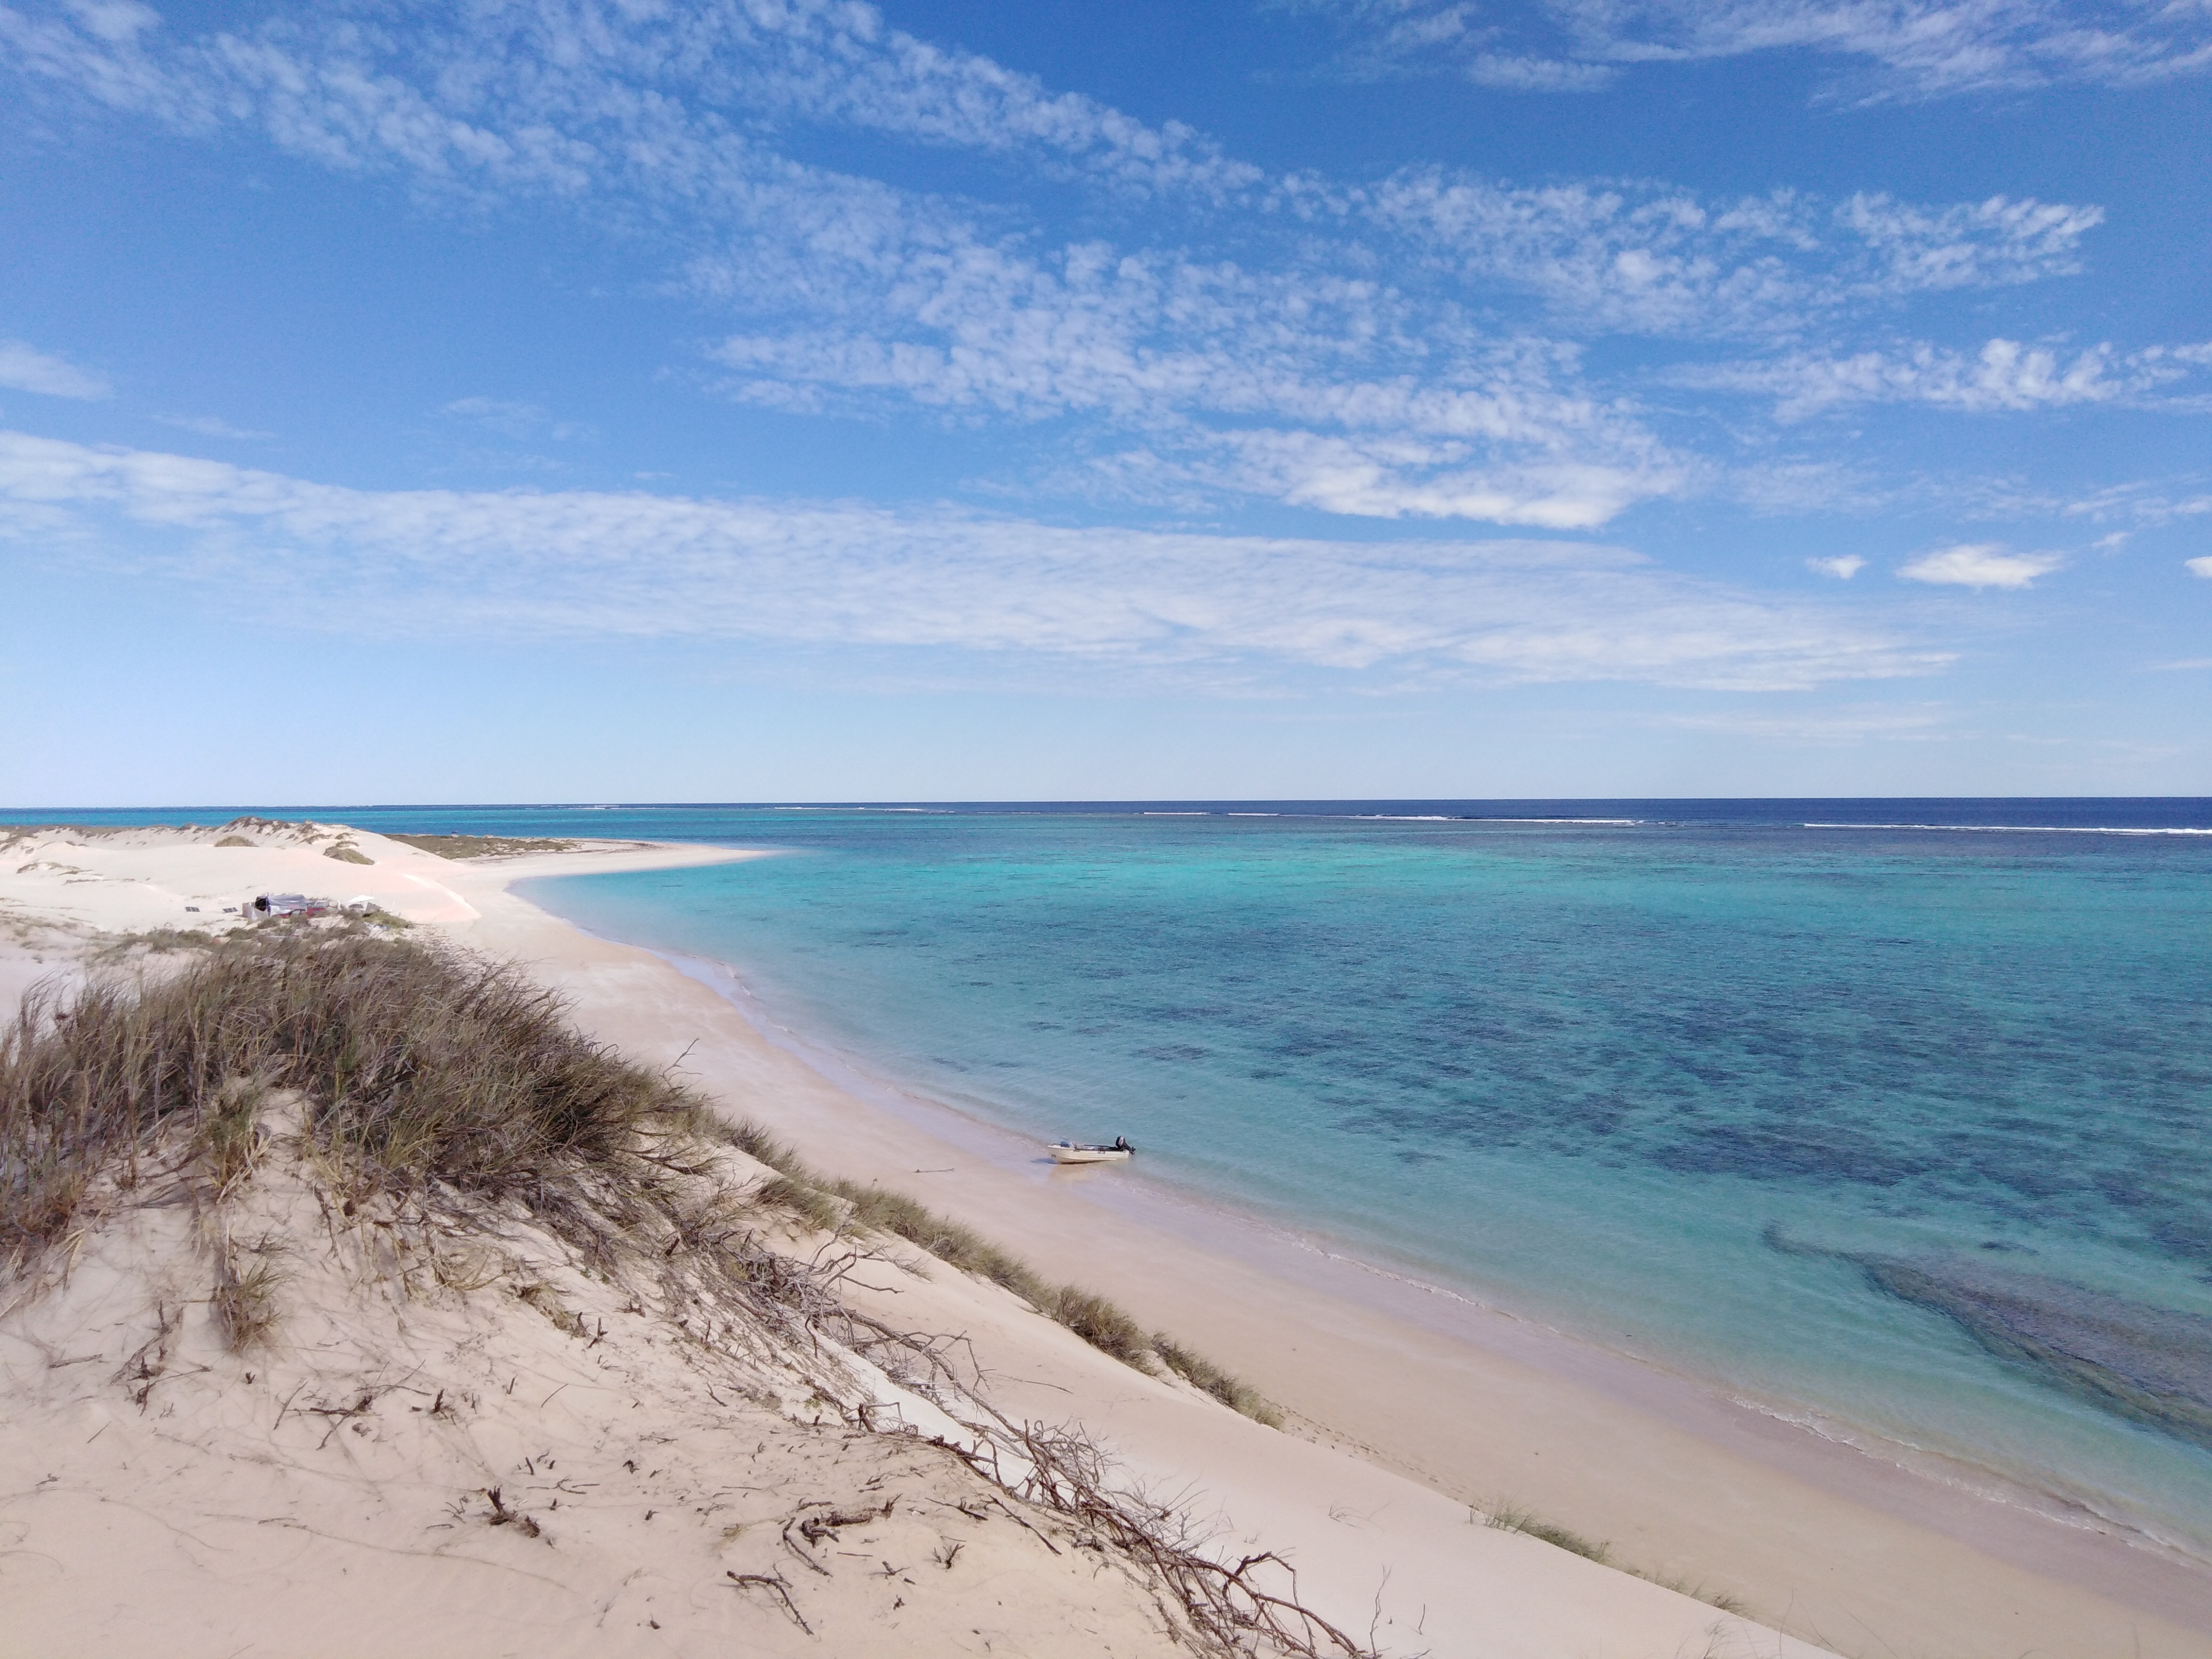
(1903, 1128)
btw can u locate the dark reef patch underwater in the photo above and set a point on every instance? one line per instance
(2151, 1365)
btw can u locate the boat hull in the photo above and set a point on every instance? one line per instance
(1087, 1155)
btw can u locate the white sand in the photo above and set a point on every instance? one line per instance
(1399, 1422)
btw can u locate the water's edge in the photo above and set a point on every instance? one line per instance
(2042, 1531)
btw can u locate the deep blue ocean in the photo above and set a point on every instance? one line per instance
(1892, 1116)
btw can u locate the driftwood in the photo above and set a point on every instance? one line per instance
(1229, 1610)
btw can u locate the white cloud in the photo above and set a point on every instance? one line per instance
(30, 370)
(2004, 375)
(1633, 255)
(2202, 567)
(1361, 411)
(1518, 72)
(865, 297)
(1909, 48)
(1850, 726)
(1980, 564)
(509, 419)
(1403, 349)
(2142, 501)
(1394, 477)
(803, 574)
(546, 94)
(1915, 47)
(115, 20)
(1969, 244)
(1842, 568)
(209, 425)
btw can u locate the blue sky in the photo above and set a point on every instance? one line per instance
(1273, 397)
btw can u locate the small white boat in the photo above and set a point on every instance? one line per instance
(1075, 1152)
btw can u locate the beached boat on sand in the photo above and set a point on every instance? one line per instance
(1075, 1152)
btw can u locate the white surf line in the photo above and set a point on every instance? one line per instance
(2020, 828)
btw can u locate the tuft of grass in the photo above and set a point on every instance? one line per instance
(379, 917)
(809, 1203)
(878, 1207)
(345, 853)
(482, 847)
(1508, 1516)
(417, 1064)
(1202, 1373)
(1102, 1324)
(236, 841)
(1512, 1517)
(245, 1300)
(1696, 1591)
(230, 1133)
(155, 941)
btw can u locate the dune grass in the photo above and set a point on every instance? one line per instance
(482, 847)
(1202, 1373)
(154, 941)
(1508, 1516)
(1512, 1517)
(416, 1066)
(828, 1203)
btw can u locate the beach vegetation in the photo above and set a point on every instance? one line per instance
(1697, 1590)
(230, 1134)
(482, 847)
(237, 841)
(828, 1203)
(1103, 1325)
(425, 1091)
(346, 853)
(1200, 1372)
(1507, 1516)
(415, 1066)
(244, 1301)
(805, 1190)
(154, 941)
(819, 1210)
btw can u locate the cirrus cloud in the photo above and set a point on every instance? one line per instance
(2003, 376)
(1894, 48)
(1414, 347)
(1252, 610)
(28, 369)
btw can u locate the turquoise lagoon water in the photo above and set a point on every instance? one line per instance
(1904, 1130)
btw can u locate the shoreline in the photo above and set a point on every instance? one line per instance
(1436, 1418)
(1798, 1436)
(1977, 1506)
(884, 1133)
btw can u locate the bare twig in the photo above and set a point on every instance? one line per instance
(775, 1581)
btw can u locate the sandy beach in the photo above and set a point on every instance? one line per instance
(1409, 1413)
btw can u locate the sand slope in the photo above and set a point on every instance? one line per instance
(455, 1442)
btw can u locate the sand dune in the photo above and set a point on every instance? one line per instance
(428, 1461)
